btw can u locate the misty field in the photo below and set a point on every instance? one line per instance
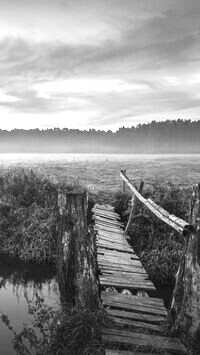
(100, 172)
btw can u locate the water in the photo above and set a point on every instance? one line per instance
(15, 279)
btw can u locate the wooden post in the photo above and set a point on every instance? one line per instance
(185, 308)
(132, 211)
(76, 254)
(123, 182)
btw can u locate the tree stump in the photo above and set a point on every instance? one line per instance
(185, 309)
(76, 252)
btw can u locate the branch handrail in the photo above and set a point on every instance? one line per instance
(176, 223)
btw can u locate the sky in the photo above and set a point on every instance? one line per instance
(99, 64)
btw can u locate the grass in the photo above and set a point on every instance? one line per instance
(101, 172)
(27, 215)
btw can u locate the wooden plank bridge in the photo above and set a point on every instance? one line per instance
(138, 321)
(127, 294)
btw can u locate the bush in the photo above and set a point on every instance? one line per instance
(26, 216)
(27, 220)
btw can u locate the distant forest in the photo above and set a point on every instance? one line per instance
(172, 136)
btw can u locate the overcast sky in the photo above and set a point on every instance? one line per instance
(98, 63)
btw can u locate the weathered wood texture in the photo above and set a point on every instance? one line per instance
(133, 208)
(76, 254)
(176, 223)
(185, 309)
(143, 341)
(124, 289)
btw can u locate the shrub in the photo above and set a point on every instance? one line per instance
(27, 219)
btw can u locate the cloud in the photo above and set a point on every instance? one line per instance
(114, 60)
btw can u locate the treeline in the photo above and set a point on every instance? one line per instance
(172, 136)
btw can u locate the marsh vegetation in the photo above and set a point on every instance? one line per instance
(27, 220)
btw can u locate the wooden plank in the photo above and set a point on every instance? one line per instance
(111, 227)
(120, 264)
(121, 352)
(103, 219)
(104, 207)
(135, 307)
(100, 225)
(112, 243)
(143, 340)
(118, 254)
(137, 324)
(115, 238)
(132, 285)
(107, 224)
(115, 247)
(125, 280)
(142, 317)
(107, 271)
(107, 229)
(101, 252)
(133, 270)
(127, 277)
(115, 261)
(110, 272)
(106, 241)
(107, 220)
(150, 301)
(105, 213)
(111, 233)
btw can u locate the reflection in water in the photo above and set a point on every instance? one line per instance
(16, 280)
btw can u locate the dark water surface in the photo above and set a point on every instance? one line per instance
(16, 279)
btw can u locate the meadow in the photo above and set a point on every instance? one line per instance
(101, 171)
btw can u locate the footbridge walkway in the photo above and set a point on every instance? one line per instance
(129, 297)
(102, 270)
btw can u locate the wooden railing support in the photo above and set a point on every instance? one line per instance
(123, 182)
(185, 308)
(176, 223)
(76, 254)
(133, 208)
